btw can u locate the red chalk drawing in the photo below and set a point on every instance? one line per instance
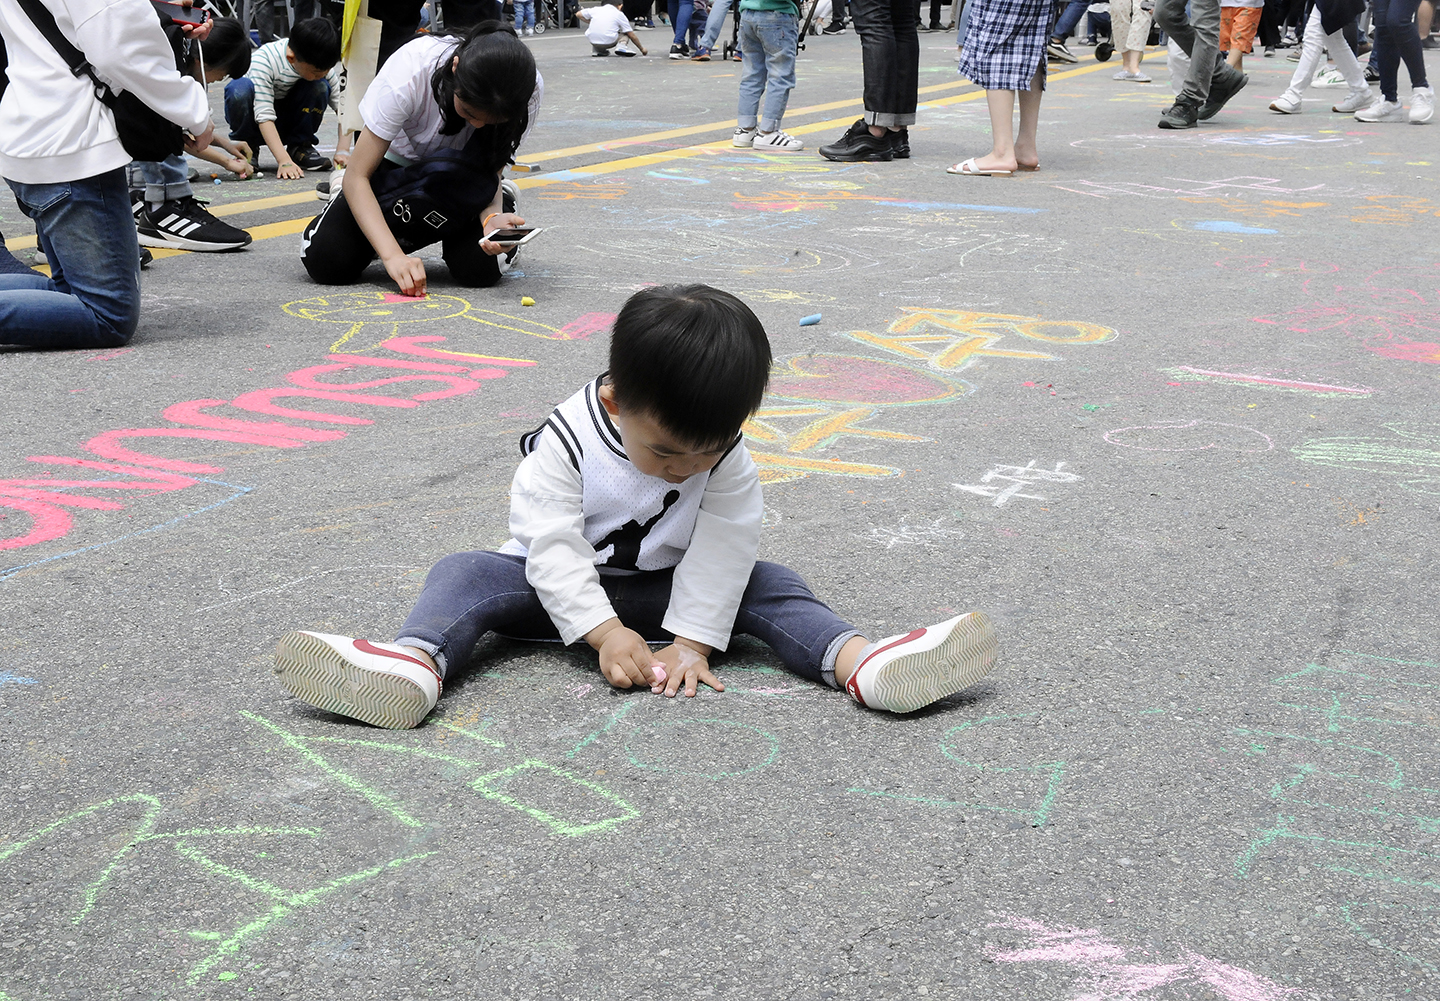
(586, 324)
(1191, 436)
(116, 353)
(1107, 971)
(859, 382)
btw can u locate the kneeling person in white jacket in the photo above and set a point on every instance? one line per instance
(62, 157)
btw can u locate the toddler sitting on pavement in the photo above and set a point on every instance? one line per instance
(636, 519)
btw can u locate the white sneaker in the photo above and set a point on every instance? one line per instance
(378, 683)
(742, 138)
(1358, 99)
(621, 50)
(1129, 77)
(906, 673)
(1382, 111)
(1285, 104)
(1329, 78)
(529, 31)
(778, 141)
(1422, 105)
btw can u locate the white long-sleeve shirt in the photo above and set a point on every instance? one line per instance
(52, 126)
(578, 507)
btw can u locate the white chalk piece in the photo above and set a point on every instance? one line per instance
(810, 321)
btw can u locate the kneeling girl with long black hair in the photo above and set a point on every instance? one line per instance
(443, 117)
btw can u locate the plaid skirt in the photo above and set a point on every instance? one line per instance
(1006, 42)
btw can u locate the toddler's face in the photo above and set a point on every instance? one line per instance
(655, 451)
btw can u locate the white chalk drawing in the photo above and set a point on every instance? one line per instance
(1015, 480)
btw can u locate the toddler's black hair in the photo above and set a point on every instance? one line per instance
(496, 75)
(316, 42)
(692, 358)
(227, 47)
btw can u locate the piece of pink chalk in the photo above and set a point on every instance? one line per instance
(659, 671)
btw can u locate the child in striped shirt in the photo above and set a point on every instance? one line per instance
(282, 100)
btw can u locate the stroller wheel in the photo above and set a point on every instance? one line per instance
(539, 26)
(1104, 51)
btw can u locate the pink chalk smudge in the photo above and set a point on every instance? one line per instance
(586, 324)
(400, 297)
(1109, 977)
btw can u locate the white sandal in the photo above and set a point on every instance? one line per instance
(968, 168)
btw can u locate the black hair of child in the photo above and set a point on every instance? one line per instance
(495, 76)
(227, 47)
(692, 358)
(315, 42)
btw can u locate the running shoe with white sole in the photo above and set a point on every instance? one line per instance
(1286, 104)
(776, 142)
(184, 224)
(742, 138)
(1354, 102)
(377, 683)
(1422, 105)
(906, 673)
(1383, 111)
(1330, 78)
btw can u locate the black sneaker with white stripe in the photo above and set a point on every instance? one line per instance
(183, 224)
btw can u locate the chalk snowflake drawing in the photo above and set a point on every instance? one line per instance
(1108, 973)
(1018, 477)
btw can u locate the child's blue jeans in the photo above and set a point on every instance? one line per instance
(166, 180)
(767, 40)
(469, 594)
(524, 14)
(297, 114)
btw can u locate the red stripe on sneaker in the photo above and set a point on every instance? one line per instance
(853, 686)
(365, 646)
(890, 646)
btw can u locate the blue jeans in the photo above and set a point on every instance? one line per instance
(467, 595)
(164, 180)
(1069, 18)
(681, 11)
(297, 114)
(1396, 38)
(92, 299)
(524, 14)
(768, 39)
(714, 23)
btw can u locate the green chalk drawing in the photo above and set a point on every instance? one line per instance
(485, 785)
(1052, 771)
(1346, 687)
(700, 747)
(227, 975)
(1385, 456)
(595, 735)
(1347, 914)
(374, 797)
(205, 936)
(471, 734)
(287, 903)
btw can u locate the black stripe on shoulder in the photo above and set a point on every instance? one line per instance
(529, 439)
(605, 430)
(574, 461)
(574, 438)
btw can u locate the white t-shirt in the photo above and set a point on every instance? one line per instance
(607, 24)
(400, 107)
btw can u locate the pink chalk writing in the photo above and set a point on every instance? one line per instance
(1191, 436)
(1108, 973)
(586, 324)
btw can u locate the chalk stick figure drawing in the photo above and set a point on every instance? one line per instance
(1016, 478)
(1413, 452)
(371, 317)
(818, 401)
(1349, 805)
(1105, 970)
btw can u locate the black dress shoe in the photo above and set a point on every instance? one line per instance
(858, 144)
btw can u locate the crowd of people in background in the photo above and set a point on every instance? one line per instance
(99, 165)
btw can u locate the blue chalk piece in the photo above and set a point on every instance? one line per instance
(1228, 226)
(810, 321)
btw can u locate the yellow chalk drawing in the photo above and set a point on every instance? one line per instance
(372, 317)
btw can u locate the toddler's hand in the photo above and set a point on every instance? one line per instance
(684, 666)
(625, 659)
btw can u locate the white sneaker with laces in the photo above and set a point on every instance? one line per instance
(1286, 104)
(742, 138)
(378, 683)
(1422, 105)
(1329, 78)
(1355, 101)
(906, 673)
(778, 141)
(1382, 111)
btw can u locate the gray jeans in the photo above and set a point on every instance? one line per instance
(1199, 36)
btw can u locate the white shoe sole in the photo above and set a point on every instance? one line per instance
(180, 243)
(949, 658)
(777, 149)
(316, 673)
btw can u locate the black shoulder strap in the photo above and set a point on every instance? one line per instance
(74, 58)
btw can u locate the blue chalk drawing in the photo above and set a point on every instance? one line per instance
(1226, 226)
(11, 678)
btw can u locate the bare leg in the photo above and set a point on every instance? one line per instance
(1235, 57)
(1027, 152)
(846, 659)
(1002, 132)
(1131, 59)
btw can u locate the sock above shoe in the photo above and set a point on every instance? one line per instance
(904, 673)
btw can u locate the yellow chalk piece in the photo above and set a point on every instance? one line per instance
(527, 301)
